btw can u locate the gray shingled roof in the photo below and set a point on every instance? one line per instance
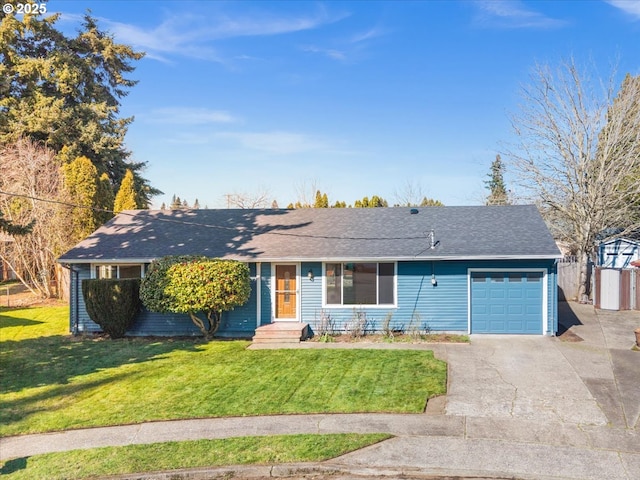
(320, 234)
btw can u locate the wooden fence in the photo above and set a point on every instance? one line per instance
(568, 269)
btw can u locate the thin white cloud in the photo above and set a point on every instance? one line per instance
(631, 7)
(370, 34)
(512, 14)
(348, 49)
(189, 116)
(192, 35)
(276, 142)
(327, 52)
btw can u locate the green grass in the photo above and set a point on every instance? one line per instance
(50, 381)
(79, 464)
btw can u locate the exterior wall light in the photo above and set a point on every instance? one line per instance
(310, 275)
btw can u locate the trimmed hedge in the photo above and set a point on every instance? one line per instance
(112, 303)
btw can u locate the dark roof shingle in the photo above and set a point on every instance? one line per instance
(321, 234)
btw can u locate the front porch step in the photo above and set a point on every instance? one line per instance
(281, 332)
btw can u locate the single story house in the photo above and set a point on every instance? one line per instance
(472, 269)
(618, 253)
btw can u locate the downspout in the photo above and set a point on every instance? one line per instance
(554, 290)
(258, 293)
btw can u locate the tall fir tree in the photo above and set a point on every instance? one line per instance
(497, 191)
(126, 196)
(65, 92)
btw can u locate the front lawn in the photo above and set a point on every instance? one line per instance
(50, 381)
(79, 464)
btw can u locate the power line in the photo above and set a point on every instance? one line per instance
(208, 225)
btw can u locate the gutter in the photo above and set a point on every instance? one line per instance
(405, 258)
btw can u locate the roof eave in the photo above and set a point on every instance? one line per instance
(350, 258)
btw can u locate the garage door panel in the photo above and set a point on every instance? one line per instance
(506, 302)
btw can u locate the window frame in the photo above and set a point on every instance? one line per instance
(96, 266)
(342, 264)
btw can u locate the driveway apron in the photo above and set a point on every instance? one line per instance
(518, 377)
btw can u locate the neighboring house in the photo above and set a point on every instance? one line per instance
(618, 253)
(484, 269)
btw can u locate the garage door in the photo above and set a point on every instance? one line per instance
(506, 302)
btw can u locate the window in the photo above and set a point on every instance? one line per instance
(118, 271)
(360, 283)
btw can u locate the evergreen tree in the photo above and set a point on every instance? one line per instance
(274, 205)
(498, 192)
(185, 204)
(176, 203)
(10, 228)
(126, 196)
(65, 92)
(374, 202)
(339, 204)
(321, 201)
(430, 202)
(163, 206)
(80, 179)
(196, 205)
(104, 200)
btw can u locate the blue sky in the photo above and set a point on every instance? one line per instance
(357, 98)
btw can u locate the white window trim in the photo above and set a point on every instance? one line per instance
(381, 306)
(545, 292)
(118, 265)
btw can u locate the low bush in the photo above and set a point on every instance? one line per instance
(112, 303)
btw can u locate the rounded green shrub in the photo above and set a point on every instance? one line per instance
(194, 285)
(112, 303)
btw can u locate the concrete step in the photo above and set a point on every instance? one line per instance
(281, 333)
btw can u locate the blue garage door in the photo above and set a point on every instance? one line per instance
(506, 302)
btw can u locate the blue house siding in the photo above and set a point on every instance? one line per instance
(240, 322)
(266, 313)
(311, 292)
(420, 304)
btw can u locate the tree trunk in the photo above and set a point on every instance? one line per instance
(583, 277)
(208, 327)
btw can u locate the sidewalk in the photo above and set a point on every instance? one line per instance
(517, 407)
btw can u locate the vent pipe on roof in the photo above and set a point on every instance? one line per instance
(432, 236)
(413, 211)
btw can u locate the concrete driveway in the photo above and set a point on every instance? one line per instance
(589, 375)
(534, 407)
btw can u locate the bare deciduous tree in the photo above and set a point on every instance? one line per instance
(30, 172)
(259, 199)
(576, 151)
(409, 195)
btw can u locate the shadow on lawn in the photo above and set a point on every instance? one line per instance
(44, 361)
(13, 465)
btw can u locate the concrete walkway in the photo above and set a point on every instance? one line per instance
(517, 407)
